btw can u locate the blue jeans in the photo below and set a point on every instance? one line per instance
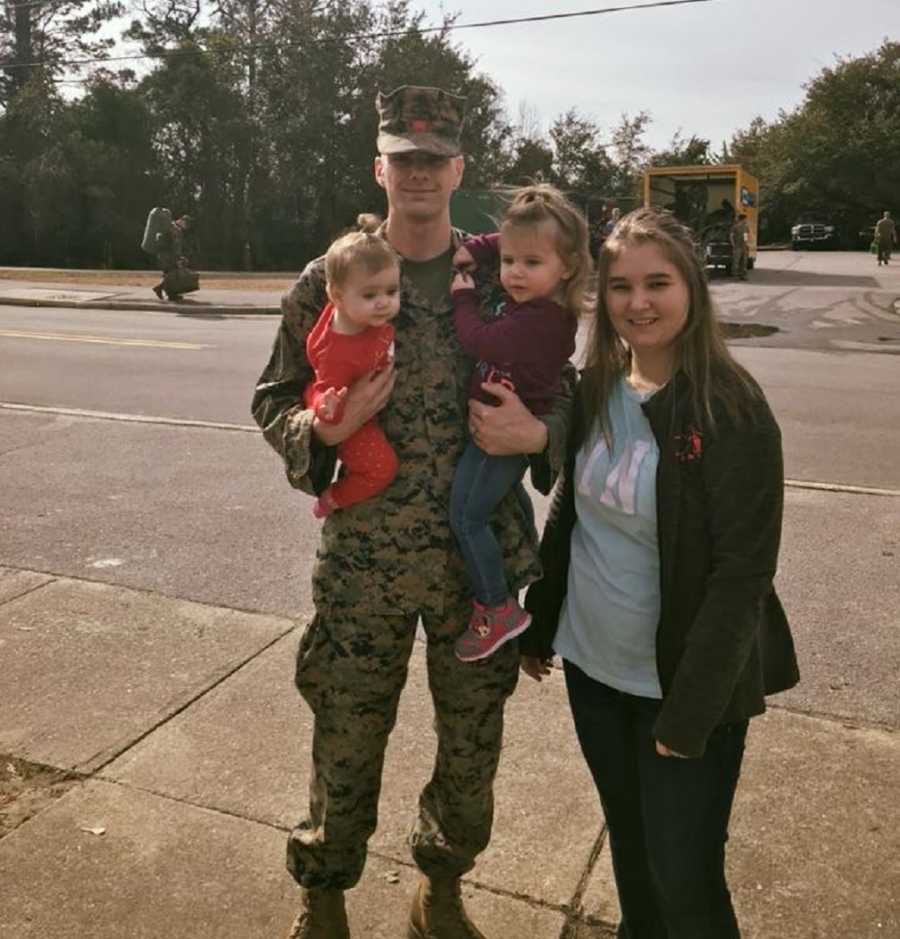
(479, 484)
(667, 817)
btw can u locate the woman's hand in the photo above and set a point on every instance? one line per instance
(663, 750)
(509, 427)
(534, 667)
(365, 398)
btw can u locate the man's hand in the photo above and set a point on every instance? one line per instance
(461, 281)
(463, 260)
(534, 667)
(365, 398)
(508, 428)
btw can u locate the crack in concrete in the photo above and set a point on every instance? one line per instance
(194, 698)
(28, 590)
(576, 920)
(31, 444)
(575, 915)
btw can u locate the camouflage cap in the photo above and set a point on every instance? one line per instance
(414, 117)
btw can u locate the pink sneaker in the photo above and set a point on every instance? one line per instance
(489, 628)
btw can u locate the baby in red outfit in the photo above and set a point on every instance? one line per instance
(353, 336)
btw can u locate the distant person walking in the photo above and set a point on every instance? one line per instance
(885, 237)
(172, 259)
(739, 231)
(611, 222)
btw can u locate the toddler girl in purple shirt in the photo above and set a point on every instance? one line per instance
(522, 343)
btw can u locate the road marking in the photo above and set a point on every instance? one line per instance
(131, 418)
(253, 429)
(840, 487)
(103, 340)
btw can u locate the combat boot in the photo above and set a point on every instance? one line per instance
(322, 916)
(437, 912)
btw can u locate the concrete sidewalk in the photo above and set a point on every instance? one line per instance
(100, 296)
(190, 747)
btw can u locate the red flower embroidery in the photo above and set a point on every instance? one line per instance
(689, 446)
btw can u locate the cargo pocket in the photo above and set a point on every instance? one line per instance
(308, 667)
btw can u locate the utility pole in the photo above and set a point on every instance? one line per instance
(23, 51)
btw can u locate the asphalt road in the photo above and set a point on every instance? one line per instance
(204, 513)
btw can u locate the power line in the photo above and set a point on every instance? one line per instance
(386, 34)
(32, 3)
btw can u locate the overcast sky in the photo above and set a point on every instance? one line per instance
(707, 69)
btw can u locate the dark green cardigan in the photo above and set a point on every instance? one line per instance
(723, 641)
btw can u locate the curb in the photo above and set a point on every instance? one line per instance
(148, 306)
(290, 276)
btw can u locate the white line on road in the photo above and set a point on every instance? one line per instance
(253, 429)
(132, 418)
(840, 487)
(103, 340)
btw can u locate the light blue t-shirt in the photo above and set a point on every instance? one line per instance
(611, 612)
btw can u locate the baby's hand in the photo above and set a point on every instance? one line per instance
(463, 260)
(461, 281)
(330, 403)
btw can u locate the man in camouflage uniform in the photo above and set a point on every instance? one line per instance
(739, 231)
(390, 560)
(885, 237)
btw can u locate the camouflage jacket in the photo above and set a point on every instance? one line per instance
(395, 553)
(169, 247)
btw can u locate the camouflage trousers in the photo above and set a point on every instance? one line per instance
(351, 669)
(739, 261)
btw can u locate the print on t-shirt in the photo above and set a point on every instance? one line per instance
(621, 477)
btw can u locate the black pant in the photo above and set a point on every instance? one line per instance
(667, 817)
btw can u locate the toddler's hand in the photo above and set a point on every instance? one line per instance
(463, 260)
(461, 281)
(330, 403)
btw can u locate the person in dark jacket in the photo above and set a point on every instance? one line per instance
(659, 556)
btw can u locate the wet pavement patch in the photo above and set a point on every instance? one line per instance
(26, 788)
(747, 330)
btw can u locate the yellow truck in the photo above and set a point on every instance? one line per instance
(707, 198)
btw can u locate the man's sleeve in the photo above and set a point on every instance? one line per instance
(547, 465)
(278, 405)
